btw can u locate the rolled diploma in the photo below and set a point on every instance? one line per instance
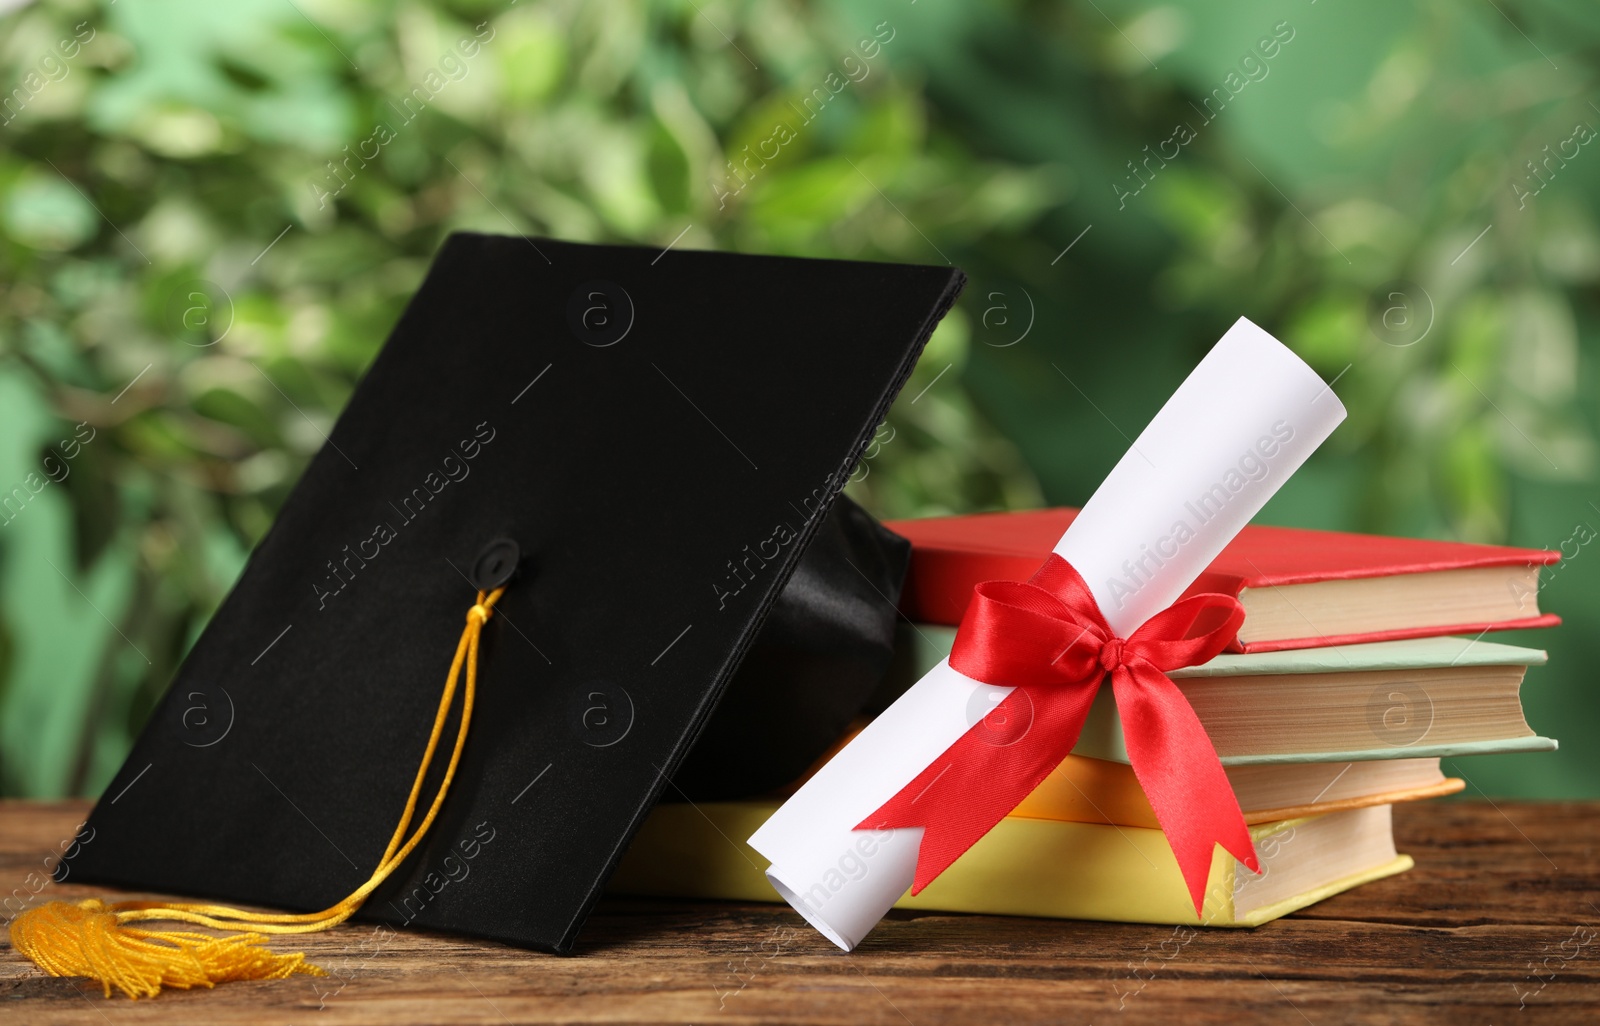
(1245, 419)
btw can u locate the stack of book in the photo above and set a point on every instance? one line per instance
(1361, 662)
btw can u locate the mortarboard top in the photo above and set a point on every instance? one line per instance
(651, 441)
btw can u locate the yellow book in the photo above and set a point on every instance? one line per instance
(1086, 790)
(1039, 867)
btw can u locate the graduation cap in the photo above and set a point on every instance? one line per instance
(621, 466)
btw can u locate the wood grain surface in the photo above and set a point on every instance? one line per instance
(1497, 925)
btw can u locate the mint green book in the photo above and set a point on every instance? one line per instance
(1418, 698)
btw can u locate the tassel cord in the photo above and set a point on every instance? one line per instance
(95, 939)
(221, 917)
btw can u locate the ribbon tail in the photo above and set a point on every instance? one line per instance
(1181, 775)
(975, 782)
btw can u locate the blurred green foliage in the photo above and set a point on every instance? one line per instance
(211, 214)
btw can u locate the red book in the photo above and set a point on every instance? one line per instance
(1300, 588)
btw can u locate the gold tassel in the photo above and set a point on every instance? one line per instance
(86, 939)
(93, 939)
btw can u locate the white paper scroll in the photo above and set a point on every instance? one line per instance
(1243, 421)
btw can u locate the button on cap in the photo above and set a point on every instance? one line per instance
(495, 564)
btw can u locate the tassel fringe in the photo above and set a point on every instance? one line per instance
(86, 939)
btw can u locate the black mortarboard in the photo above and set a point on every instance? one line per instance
(653, 442)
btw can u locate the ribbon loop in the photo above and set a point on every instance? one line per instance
(1019, 634)
(1049, 641)
(1169, 641)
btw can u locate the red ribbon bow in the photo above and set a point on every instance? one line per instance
(1049, 641)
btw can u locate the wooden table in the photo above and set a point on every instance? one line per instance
(1498, 924)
